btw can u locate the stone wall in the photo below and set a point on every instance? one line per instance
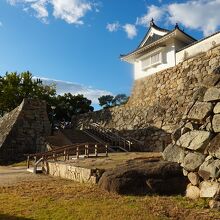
(196, 144)
(68, 171)
(158, 101)
(23, 130)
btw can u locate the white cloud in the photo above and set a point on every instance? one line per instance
(131, 30)
(195, 14)
(154, 12)
(113, 27)
(1, 24)
(75, 89)
(200, 14)
(71, 11)
(41, 10)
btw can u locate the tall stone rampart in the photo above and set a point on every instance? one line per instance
(23, 130)
(158, 102)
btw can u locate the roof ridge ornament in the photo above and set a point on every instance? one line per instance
(177, 26)
(152, 22)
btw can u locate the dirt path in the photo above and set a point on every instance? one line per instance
(12, 175)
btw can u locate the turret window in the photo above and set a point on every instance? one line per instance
(153, 60)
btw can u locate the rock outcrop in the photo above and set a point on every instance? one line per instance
(141, 177)
(23, 130)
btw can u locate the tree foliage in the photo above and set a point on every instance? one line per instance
(15, 87)
(68, 105)
(120, 99)
(107, 101)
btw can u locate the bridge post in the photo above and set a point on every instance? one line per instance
(28, 161)
(106, 150)
(86, 150)
(96, 150)
(77, 153)
(64, 155)
(67, 155)
(54, 156)
(129, 145)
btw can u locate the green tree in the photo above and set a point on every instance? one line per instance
(15, 87)
(120, 99)
(106, 101)
(68, 105)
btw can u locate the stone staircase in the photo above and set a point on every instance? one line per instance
(93, 136)
(115, 141)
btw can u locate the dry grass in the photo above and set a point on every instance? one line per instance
(51, 198)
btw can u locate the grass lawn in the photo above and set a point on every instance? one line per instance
(51, 198)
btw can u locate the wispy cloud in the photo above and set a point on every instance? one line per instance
(76, 88)
(1, 24)
(131, 30)
(113, 27)
(71, 11)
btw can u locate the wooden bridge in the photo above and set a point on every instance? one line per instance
(65, 153)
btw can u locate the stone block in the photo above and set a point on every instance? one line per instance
(216, 109)
(192, 161)
(199, 94)
(174, 153)
(216, 123)
(192, 192)
(214, 146)
(193, 178)
(212, 94)
(199, 111)
(194, 140)
(209, 189)
(210, 169)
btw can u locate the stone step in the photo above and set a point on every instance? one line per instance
(31, 170)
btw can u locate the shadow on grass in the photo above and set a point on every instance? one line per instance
(9, 217)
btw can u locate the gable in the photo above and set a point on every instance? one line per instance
(154, 33)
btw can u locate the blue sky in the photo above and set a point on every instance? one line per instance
(80, 41)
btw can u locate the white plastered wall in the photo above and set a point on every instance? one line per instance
(196, 49)
(168, 58)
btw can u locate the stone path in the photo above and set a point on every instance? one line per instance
(11, 175)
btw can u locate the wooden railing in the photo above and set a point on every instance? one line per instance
(113, 138)
(65, 152)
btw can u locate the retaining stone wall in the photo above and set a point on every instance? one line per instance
(23, 130)
(196, 144)
(158, 102)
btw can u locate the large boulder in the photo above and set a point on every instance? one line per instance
(209, 189)
(174, 153)
(192, 161)
(200, 111)
(210, 169)
(216, 123)
(212, 94)
(192, 192)
(194, 140)
(145, 177)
